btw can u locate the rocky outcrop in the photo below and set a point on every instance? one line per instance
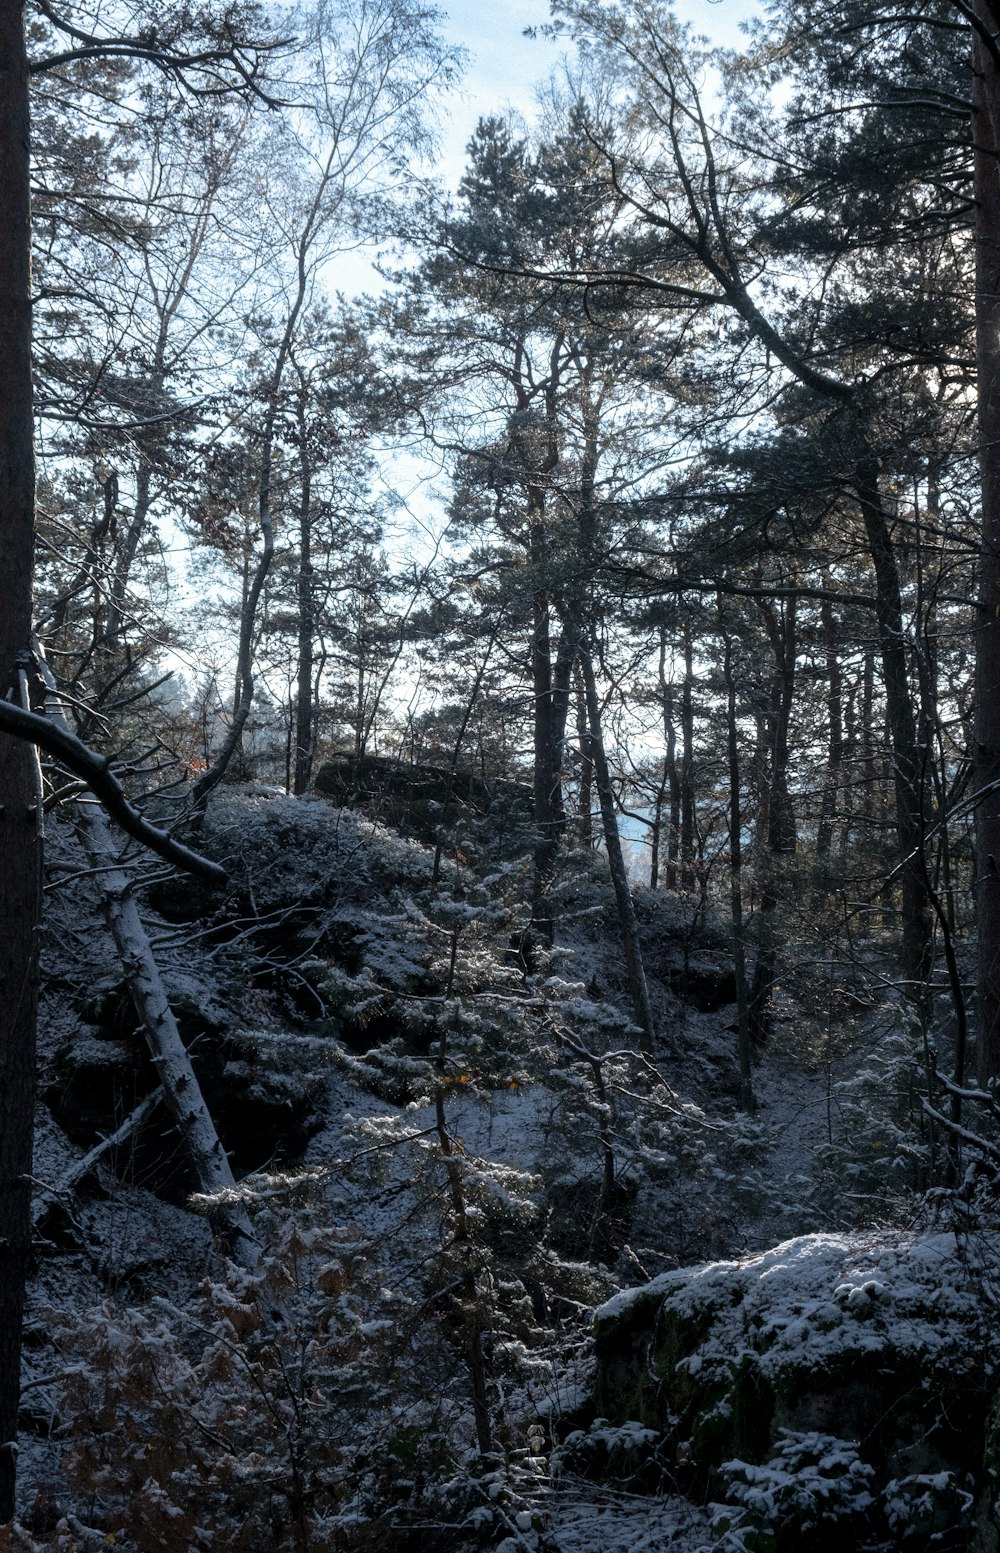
(263, 1093)
(421, 799)
(831, 1380)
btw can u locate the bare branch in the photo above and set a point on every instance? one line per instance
(96, 771)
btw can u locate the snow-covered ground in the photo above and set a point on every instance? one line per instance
(332, 932)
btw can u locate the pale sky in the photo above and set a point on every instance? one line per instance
(505, 67)
(504, 70)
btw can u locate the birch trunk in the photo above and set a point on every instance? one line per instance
(182, 1094)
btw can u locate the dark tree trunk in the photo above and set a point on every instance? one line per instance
(456, 753)
(870, 802)
(546, 796)
(669, 792)
(986, 732)
(586, 804)
(743, 1042)
(907, 758)
(687, 827)
(20, 873)
(781, 632)
(674, 822)
(849, 771)
(550, 688)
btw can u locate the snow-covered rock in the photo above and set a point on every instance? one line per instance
(886, 1341)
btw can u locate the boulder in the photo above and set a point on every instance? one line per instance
(866, 1359)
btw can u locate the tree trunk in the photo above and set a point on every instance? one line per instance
(907, 758)
(642, 1008)
(747, 1099)
(781, 632)
(304, 710)
(254, 586)
(986, 732)
(20, 811)
(669, 781)
(835, 737)
(550, 689)
(777, 818)
(456, 752)
(181, 1091)
(586, 801)
(82, 1168)
(116, 606)
(870, 801)
(687, 837)
(182, 1094)
(169, 305)
(546, 798)
(656, 830)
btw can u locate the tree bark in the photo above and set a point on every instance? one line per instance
(551, 692)
(781, 627)
(20, 808)
(835, 738)
(547, 790)
(871, 803)
(687, 825)
(586, 799)
(777, 818)
(986, 729)
(670, 783)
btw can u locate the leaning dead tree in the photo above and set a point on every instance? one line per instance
(181, 1092)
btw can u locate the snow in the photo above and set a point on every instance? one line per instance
(864, 1292)
(527, 1123)
(600, 1520)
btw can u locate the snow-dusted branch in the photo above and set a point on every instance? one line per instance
(81, 1168)
(95, 771)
